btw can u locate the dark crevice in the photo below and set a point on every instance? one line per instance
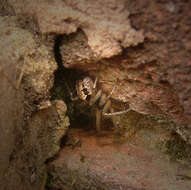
(57, 54)
(64, 84)
(64, 78)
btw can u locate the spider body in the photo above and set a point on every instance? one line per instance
(87, 91)
(84, 88)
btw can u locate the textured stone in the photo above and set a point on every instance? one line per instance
(153, 77)
(105, 23)
(28, 136)
(102, 163)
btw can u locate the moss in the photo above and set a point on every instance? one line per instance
(178, 149)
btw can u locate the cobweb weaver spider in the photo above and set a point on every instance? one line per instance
(87, 91)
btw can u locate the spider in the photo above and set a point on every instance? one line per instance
(87, 91)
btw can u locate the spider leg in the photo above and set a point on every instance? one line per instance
(97, 77)
(113, 116)
(72, 97)
(104, 100)
(117, 113)
(106, 107)
(98, 120)
(95, 82)
(94, 99)
(99, 114)
(115, 119)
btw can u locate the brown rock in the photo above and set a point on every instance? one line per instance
(105, 23)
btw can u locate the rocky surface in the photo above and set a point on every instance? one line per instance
(105, 23)
(11, 105)
(153, 76)
(145, 45)
(103, 162)
(31, 127)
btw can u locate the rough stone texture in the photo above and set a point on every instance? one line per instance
(170, 35)
(39, 65)
(154, 77)
(11, 111)
(167, 31)
(105, 23)
(147, 77)
(101, 163)
(34, 60)
(6, 9)
(41, 142)
(26, 73)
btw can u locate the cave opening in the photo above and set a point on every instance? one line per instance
(64, 89)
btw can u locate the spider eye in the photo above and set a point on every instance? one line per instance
(85, 90)
(87, 94)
